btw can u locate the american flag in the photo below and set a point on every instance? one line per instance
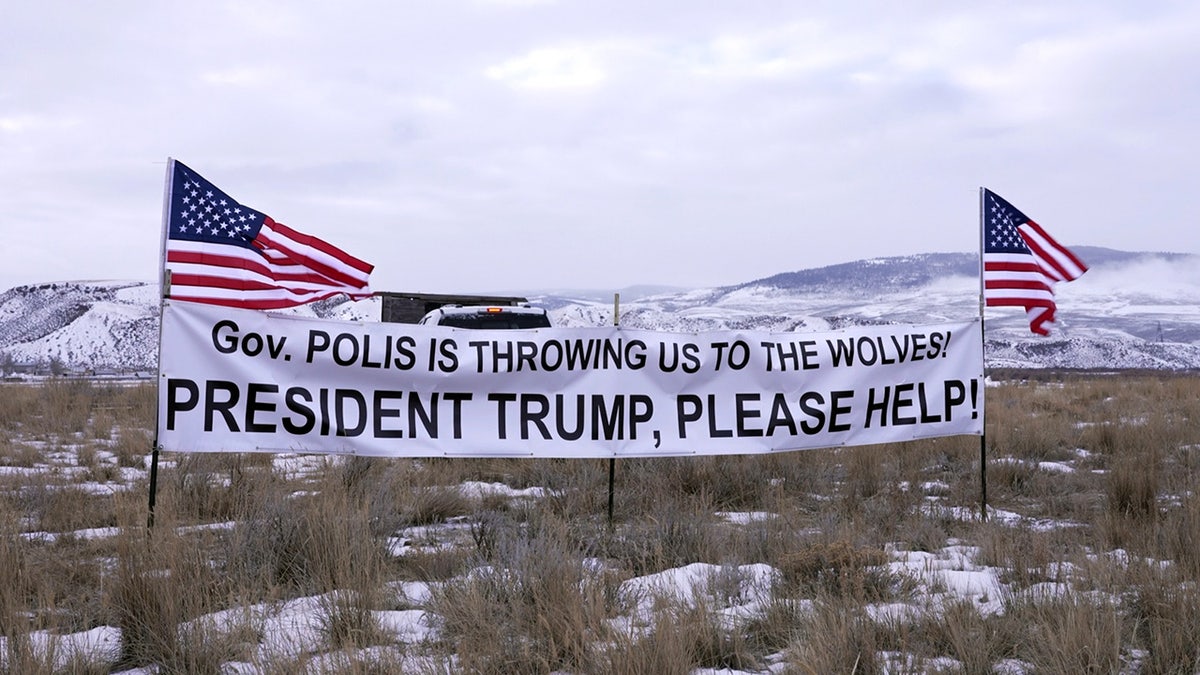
(1021, 263)
(223, 253)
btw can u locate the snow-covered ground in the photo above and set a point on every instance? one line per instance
(295, 630)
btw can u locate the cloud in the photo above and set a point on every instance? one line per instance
(21, 123)
(782, 52)
(568, 67)
(240, 76)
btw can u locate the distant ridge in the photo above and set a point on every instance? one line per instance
(917, 270)
(1132, 310)
(874, 273)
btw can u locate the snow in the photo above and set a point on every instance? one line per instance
(745, 518)
(478, 490)
(683, 585)
(103, 642)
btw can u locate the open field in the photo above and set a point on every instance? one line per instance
(866, 560)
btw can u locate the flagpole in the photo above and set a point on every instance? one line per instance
(164, 293)
(983, 360)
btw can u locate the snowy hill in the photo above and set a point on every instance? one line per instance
(1131, 310)
(92, 326)
(82, 325)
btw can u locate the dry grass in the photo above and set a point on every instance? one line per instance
(1070, 634)
(959, 632)
(539, 613)
(837, 570)
(834, 638)
(1096, 531)
(680, 638)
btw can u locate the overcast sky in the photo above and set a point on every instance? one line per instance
(503, 146)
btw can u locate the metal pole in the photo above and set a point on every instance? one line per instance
(153, 486)
(612, 461)
(983, 354)
(983, 476)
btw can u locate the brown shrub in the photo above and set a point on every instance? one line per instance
(838, 569)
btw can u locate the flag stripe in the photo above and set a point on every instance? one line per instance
(249, 283)
(319, 246)
(991, 274)
(1061, 263)
(1018, 285)
(245, 301)
(235, 262)
(1039, 316)
(1020, 299)
(314, 254)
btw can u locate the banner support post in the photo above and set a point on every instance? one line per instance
(153, 486)
(166, 292)
(612, 461)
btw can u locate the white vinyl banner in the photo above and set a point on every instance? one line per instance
(237, 380)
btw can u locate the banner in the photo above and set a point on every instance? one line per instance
(236, 380)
